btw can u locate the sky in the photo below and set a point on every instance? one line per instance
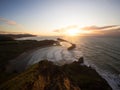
(51, 17)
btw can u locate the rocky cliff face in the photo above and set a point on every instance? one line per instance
(47, 76)
(51, 77)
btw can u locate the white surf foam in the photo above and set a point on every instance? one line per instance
(59, 55)
(112, 79)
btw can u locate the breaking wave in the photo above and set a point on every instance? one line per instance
(59, 55)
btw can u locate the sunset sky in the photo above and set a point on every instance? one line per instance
(53, 17)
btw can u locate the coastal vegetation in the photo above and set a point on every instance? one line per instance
(45, 75)
(10, 49)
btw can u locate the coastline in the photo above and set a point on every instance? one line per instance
(12, 49)
(90, 69)
(79, 77)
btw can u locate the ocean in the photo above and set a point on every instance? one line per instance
(101, 53)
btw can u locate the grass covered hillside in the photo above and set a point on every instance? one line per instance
(47, 76)
(11, 49)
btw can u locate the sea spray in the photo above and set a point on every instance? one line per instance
(57, 54)
(112, 79)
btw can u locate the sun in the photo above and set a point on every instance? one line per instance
(72, 32)
(76, 32)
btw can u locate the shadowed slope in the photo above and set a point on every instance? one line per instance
(47, 76)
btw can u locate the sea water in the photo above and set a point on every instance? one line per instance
(101, 53)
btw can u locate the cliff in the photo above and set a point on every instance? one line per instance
(45, 75)
(10, 50)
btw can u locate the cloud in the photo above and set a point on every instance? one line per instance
(115, 29)
(10, 27)
(109, 30)
(8, 22)
(102, 28)
(89, 28)
(11, 23)
(64, 29)
(57, 31)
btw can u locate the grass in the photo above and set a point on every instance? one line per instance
(84, 77)
(21, 81)
(11, 49)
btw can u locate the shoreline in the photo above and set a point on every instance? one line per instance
(12, 49)
(44, 47)
(87, 78)
(18, 65)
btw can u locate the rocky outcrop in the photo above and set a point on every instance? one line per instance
(47, 76)
(72, 45)
(51, 77)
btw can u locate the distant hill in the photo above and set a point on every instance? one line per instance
(11, 37)
(6, 38)
(18, 35)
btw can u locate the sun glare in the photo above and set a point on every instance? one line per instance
(72, 32)
(77, 32)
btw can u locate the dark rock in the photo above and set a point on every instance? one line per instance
(47, 76)
(6, 38)
(72, 47)
(81, 60)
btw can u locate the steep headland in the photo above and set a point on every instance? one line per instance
(10, 50)
(7, 37)
(47, 76)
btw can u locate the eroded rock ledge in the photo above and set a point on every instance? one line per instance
(47, 76)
